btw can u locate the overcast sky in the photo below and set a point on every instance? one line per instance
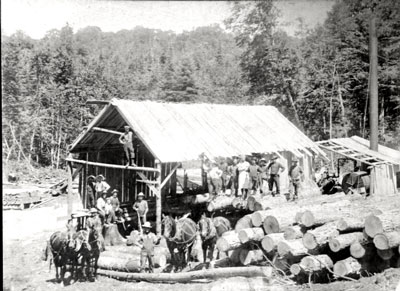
(36, 17)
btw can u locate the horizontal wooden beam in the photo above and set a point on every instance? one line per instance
(147, 182)
(107, 130)
(146, 169)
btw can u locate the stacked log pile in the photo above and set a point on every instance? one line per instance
(339, 236)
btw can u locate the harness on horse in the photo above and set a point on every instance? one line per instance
(212, 231)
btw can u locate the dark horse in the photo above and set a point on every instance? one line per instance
(180, 236)
(90, 253)
(60, 248)
(210, 230)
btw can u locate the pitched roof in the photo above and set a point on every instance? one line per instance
(181, 132)
(360, 150)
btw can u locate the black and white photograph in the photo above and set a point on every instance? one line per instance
(201, 145)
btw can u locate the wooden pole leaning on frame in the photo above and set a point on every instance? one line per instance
(158, 198)
(69, 170)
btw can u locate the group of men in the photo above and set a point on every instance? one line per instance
(239, 176)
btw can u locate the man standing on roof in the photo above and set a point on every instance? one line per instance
(274, 166)
(296, 176)
(126, 139)
(141, 207)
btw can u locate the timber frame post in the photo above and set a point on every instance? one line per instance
(69, 170)
(158, 198)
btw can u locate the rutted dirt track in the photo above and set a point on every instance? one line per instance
(25, 233)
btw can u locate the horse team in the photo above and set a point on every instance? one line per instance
(81, 250)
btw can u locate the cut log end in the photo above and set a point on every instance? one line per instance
(357, 250)
(271, 224)
(381, 242)
(295, 269)
(346, 267)
(309, 241)
(373, 226)
(307, 219)
(385, 254)
(334, 245)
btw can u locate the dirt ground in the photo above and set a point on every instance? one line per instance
(25, 233)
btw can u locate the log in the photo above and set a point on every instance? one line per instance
(295, 269)
(293, 248)
(269, 202)
(276, 223)
(128, 264)
(347, 267)
(319, 236)
(375, 224)
(135, 251)
(251, 234)
(270, 242)
(387, 240)
(350, 224)
(212, 274)
(385, 254)
(257, 218)
(293, 232)
(357, 250)
(297, 217)
(239, 203)
(345, 240)
(244, 222)
(248, 257)
(228, 241)
(310, 219)
(220, 202)
(221, 263)
(311, 264)
(251, 200)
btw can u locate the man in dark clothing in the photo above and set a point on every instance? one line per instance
(263, 176)
(253, 174)
(233, 172)
(274, 167)
(296, 175)
(90, 191)
(147, 240)
(115, 203)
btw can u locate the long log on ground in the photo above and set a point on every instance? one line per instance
(345, 240)
(293, 232)
(350, 224)
(269, 202)
(112, 236)
(270, 242)
(185, 277)
(220, 202)
(311, 264)
(251, 234)
(387, 240)
(134, 252)
(276, 223)
(128, 264)
(310, 219)
(386, 222)
(221, 263)
(228, 241)
(244, 222)
(319, 236)
(248, 257)
(294, 248)
(347, 267)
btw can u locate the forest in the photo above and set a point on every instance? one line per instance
(317, 78)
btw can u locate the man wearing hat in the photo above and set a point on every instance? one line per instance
(253, 176)
(216, 178)
(94, 223)
(141, 207)
(296, 176)
(233, 172)
(90, 191)
(126, 139)
(263, 175)
(147, 240)
(274, 167)
(101, 186)
(115, 202)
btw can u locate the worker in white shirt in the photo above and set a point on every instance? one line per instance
(126, 139)
(101, 186)
(216, 178)
(101, 207)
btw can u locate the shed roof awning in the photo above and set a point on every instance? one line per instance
(182, 132)
(357, 148)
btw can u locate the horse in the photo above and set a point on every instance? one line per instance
(180, 236)
(58, 247)
(210, 230)
(90, 253)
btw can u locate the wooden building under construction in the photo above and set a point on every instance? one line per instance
(169, 135)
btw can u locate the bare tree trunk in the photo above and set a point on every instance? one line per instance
(343, 115)
(58, 148)
(31, 145)
(382, 116)
(365, 110)
(19, 152)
